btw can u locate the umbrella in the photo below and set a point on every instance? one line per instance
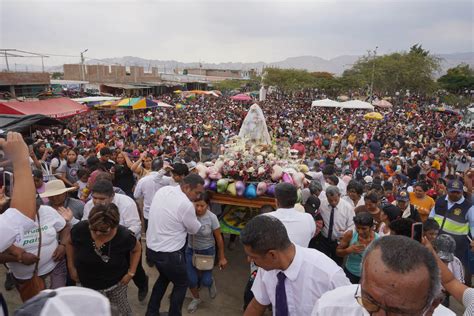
(382, 104)
(343, 97)
(373, 116)
(177, 91)
(241, 97)
(446, 111)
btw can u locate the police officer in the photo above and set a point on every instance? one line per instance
(455, 216)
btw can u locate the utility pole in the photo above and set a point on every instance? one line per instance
(6, 61)
(42, 62)
(83, 72)
(373, 74)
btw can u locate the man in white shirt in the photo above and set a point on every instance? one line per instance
(172, 216)
(290, 278)
(399, 276)
(147, 187)
(102, 194)
(299, 226)
(338, 217)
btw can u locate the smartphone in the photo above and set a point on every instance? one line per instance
(48, 145)
(8, 183)
(417, 231)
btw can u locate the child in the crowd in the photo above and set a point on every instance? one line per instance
(83, 176)
(445, 246)
(430, 229)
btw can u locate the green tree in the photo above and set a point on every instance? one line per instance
(458, 79)
(397, 71)
(229, 85)
(57, 75)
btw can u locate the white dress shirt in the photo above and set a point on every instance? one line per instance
(172, 216)
(351, 203)
(309, 276)
(299, 226)
(341, 301)
(128, 213)
(146, 188)
(343, 218)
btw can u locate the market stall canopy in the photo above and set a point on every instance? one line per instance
(55, 108)
(136, 103)
(95, 99)
(383, 104)
(163, 104)
(241, 97)
(357, 105)
(326, 103)
(376, 116)
(22, 123)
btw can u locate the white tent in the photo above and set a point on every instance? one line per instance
(326, 103)
(356, 105)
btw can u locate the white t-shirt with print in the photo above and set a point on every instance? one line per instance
(51, 224)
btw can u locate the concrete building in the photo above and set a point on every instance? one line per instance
(220, 74)
(132, 80)
(23, 84)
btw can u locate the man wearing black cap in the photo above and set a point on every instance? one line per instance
(455, 216)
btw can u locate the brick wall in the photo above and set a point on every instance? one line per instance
(110, 74)
(24, 78)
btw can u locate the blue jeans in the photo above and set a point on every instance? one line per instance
(206, 276)
(172, 268)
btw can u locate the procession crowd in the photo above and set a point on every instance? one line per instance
(111, 185)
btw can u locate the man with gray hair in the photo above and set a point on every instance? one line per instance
(291, 278)
(337, 215)
(399, 277)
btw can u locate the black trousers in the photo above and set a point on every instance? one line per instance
(140, 276)
(326, 246)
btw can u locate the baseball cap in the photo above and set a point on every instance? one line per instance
(402, 195)
(455, 186)
(368, 179)
(312, 205)
(71, 300)
(445, 246)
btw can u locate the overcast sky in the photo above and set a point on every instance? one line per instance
(222, 31)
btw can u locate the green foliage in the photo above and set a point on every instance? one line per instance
(458, 79)
(458, 101)
(229, 85)
(398, 71)
(57, 75)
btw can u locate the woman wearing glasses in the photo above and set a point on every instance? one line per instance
(98, 254)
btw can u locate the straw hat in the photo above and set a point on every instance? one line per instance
(55, 187)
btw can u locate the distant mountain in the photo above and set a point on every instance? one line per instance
(311, 63)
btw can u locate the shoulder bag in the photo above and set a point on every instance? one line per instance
(33, 286)
(202, 262)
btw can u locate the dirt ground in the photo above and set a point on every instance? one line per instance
(230, 286)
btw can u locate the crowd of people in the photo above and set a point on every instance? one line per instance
(91, 190)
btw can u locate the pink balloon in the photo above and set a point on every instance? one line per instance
(287, 178)
(261, 188)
